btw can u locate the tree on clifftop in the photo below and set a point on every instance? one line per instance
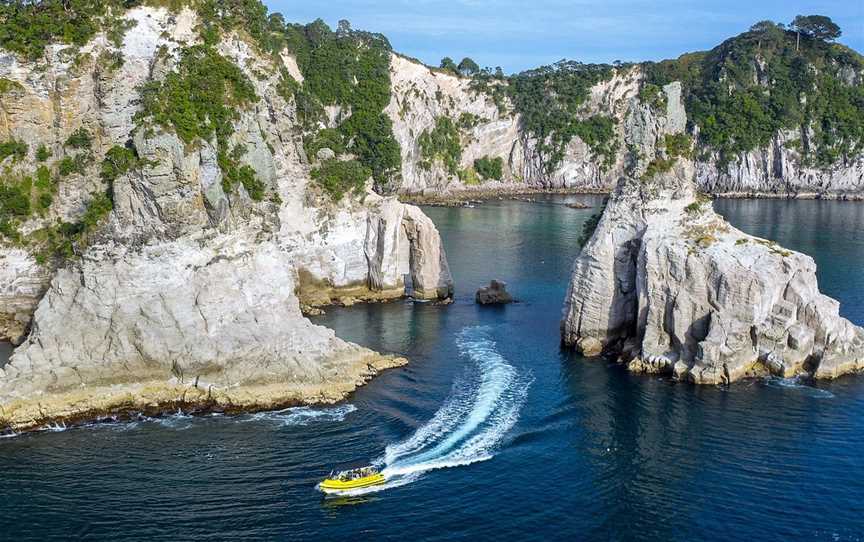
(767, 31)
(448, 64)
(817, 27)
(468, 67)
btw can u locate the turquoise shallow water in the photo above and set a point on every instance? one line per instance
(491, 432)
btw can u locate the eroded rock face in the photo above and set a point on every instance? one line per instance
(22, 283)
(187, 296)
(420, 95)
(673, 288)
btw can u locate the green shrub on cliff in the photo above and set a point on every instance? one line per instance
(674, 146)
(653, 96)
(73, 164)
(200, 99)
(678, 145)
(328, 138)
(351, 69)
(80, 139)
(27, 27)
(42, 153)
(338, 177)
(598, 132)
(548, 100)
(490, 168)
(441, 143)
(15, 148)
(14, 200)
(118, 161)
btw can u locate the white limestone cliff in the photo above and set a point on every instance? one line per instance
(190, 297)
(672, 288)
(421, 94)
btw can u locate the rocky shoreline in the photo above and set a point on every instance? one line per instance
(670, 287)
(460, 197)
(156, 398)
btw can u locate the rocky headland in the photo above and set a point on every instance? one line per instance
(159, 261)
(670, 287)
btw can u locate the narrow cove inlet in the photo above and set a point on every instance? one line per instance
(492, 430)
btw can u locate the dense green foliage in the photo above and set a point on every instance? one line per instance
(200, 99)
(742, 92)
(467, 67)
(490, 168)
(449, 65)
(598, 132)
(678, 145)
(29, 26)
(549, 99)
(73, 164)
(14, 200)
(817, 27)
(328, 138)
(13, 147)
(340, 177)
(58, 242)
(674, 146)
(653, 96)
(42, 153)
(21, 196)
(80, 139)
(118, 161)
(442, 143)
(350, 69)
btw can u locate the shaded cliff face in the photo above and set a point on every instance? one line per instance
(184, 287)
(673, 288)
(421, 95)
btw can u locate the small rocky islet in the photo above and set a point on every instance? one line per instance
(178, 190)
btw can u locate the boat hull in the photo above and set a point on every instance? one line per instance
(334, 486)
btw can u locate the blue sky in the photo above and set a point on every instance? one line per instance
(521, 34)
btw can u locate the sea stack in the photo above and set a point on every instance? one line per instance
(671, 287)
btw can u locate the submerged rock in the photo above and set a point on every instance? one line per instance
(494, 294)
(673, 288)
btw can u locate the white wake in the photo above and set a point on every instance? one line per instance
(482, 408)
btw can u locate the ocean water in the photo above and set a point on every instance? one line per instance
(492, 432)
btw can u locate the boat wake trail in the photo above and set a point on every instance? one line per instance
(482, 408)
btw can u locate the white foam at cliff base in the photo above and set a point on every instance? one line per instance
(796, 384)
(299, 416)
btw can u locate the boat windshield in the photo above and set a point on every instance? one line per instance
(354, 474)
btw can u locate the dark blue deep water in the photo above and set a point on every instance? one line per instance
(492, 432)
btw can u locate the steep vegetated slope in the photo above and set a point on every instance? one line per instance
(162, 222)
(772, 111)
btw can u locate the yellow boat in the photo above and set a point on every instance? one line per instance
(348, 480)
